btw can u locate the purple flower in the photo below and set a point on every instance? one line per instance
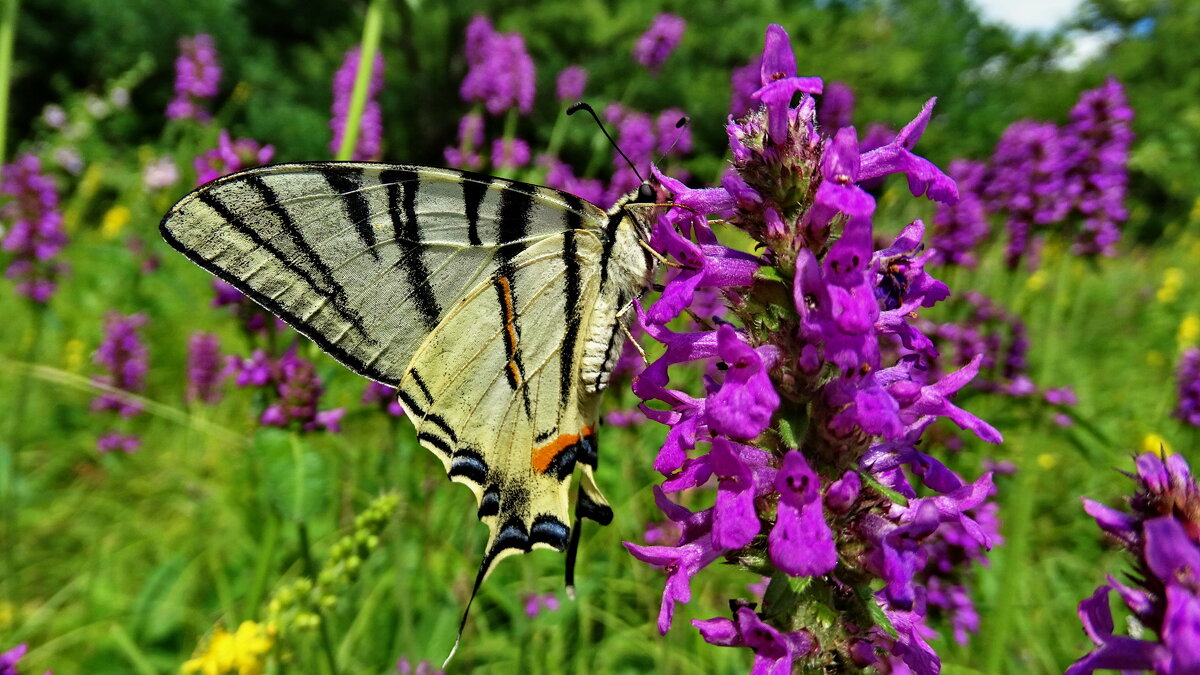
(197, 75)
(10, 658)
(1099, 135)
(681, 563)
(836, 109)
(254, 319)
(924, 178)
(800, 543)
(383, 396)
(559, 175)
(743, 406)
(34, 224)
(370, 136)
(510, 153)
(230, 156)
(299, 390)
(570, 83)
(500, 74)
(960, 227)
(535, 603)
(124, 358)
(657, 43)
(743, 83)
(404, 667)
(779, 82)
(774, 651)
(127, 443)
(204, 368)
(1187, 406)
(1165, 598)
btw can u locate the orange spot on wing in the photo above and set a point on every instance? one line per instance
(544, 455)
(509, 324)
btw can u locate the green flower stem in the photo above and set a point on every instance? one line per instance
(310, 570)
(372, 28)
(8, 31)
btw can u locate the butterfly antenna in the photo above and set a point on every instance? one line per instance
(584, 106)
(680, 124)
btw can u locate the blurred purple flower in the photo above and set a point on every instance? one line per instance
(404, 667)
(570, 83)
(204, 368)
(230, 156)
(370, 134)
(123, 355)
(1099, 135)
(500, 73)
(383, 396)
(743, 83)
(298, 389)
(836, 109)
(34, 224)
(657, 43)
(960, 227)
(197, 75)
(1187, 406)
(510, 153)
(160, 173)
(775, 652)
(536, 603)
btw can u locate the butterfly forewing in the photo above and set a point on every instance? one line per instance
(365, 259)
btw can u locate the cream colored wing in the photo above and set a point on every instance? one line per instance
(495, 392)
(365, 259)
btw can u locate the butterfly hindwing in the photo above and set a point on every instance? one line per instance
(491, 398)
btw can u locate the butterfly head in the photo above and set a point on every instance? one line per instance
(644, 205)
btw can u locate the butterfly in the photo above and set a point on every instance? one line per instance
(496, 308)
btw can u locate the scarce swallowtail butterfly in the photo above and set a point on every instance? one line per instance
(496, 308)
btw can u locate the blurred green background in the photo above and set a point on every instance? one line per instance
(125, 563)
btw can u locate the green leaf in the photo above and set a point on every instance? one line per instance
(158, 609)
(895, 497)
(875, 611)
(767, 273)
(296, 478)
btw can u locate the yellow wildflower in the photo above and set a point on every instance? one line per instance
(114, 221)
(1172, 282)
(1189, 331)
(239, 653)
(1036, 281)
(73, 354)
(1047, 461)
(1156, 444)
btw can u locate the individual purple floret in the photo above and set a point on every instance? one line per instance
(204, 368)
(657, 43)
(230, 156)
(34, 225)
(500, 73)
(384, 397)
(1187, 407)
(570, 83)
(1162, 533)
(470, 139)
(405, 667)
(816, 392)
(197, 75)
(370, 133)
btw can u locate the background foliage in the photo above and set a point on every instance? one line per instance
(124, 563)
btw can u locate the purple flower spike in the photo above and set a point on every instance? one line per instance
(742, 408)
(370, 139)
(1187, 406)
(501, 73)
(197, 75)
(204, 368)
(801, 543)
(35, 232)
(924, 178)
(778, 75)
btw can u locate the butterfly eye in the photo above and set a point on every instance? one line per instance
(646, 194)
